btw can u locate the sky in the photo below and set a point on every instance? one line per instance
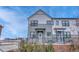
(14, 19)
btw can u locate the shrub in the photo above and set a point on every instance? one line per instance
(36, 48)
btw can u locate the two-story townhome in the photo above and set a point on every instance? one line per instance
(45, 29)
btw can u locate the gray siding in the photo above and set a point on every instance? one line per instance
(42, 19)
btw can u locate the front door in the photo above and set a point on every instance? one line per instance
(60, 36)
(40, 36)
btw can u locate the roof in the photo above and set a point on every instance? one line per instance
(49, 15)
(40, 11)
(65, 18)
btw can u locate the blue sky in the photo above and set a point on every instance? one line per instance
(14, 18)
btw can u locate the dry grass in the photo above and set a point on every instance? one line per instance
(52, 48)
(36, 48)
(47, 48)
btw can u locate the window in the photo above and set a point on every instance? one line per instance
(77, 22)
(32, 34)
(34, 23)
(65, 23)
(57, 22)
(67, 35)
(48, 33)
(50, 22)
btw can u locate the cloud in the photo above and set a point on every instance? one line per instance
(15, 21)
(11, 29)
(14, 18)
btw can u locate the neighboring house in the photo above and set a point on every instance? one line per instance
(44, 29)
(10, 45)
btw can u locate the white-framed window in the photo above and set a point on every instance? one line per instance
(57, 22)
(50, 22)
(34, 22)
(65, 23)
(67, 35)
(32, 34)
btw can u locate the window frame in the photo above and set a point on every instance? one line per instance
(32, 34)
(65, 23)
(67, 35)
(57, 22)
(34, 22)
(50, 22)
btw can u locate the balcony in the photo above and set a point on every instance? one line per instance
(41, 26)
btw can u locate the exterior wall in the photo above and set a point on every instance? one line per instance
(47, 29)
(41, 17)
(72, 28)
(42, 23)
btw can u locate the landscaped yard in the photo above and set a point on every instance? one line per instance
(37, 48)
(48, 48)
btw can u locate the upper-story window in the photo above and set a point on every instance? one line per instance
(57, 22)
(65, 23)
(34, 22)
(77, 22)
(50, 22)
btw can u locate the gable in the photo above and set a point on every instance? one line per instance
(40, 12)
(40, 16)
